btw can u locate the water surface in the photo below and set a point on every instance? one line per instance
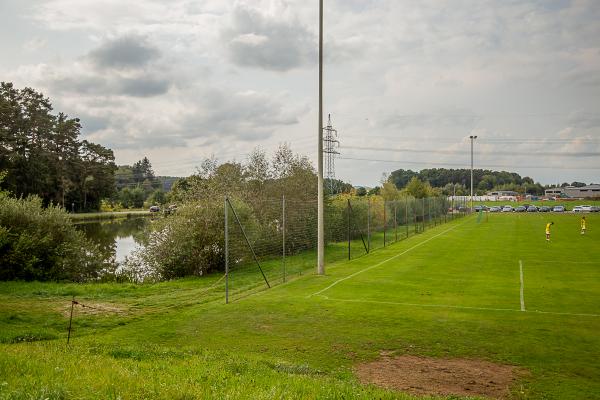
(117, 238)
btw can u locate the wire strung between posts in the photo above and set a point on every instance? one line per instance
(179, 305)
(265, 221)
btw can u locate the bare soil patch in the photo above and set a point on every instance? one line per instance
(430, 376)
(93, 309)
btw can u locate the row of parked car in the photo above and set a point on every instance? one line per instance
(532, 208)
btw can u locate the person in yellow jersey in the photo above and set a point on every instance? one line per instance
(548, 225)
(583, 225)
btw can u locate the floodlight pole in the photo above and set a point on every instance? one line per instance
(472, 139)
(320, 228)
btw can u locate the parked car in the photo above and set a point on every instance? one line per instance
(532, 209)
(481, 208)
(544, 209)
(577, 209)
(586, 208)
(520, 209)
(507, 209)
(595, 209)
(495, 209)
(154, 209)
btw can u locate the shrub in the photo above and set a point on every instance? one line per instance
(190, 242)
(38, 243)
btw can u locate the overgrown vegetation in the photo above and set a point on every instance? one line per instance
(191, 241)
(40, 243)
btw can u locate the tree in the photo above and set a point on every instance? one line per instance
(401, 177)
(390, 192)
(43, 156)
(142, 170)
(157, 197)
(375, 191)
(336, 186)
(96, 174)
(418, 189)
(361, 191)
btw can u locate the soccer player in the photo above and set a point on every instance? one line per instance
(548, 225)
(583, 225)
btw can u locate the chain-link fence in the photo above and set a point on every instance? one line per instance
(269, 241)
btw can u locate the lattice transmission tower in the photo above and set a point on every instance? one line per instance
(330, 146)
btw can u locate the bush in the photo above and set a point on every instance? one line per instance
(190, 242)
(39, 243)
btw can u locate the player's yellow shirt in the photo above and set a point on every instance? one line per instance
(583, 224)
(548, 227)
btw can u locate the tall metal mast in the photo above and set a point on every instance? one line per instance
(321, 205)
(331, 144)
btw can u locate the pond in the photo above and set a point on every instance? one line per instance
(117, 238)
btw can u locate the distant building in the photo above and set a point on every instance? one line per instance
(502, 193)
(590, 191)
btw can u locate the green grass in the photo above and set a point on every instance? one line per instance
(569, 203)
(448, 293)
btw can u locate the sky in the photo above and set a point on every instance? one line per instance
(406, 82)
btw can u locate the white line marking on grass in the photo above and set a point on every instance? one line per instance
(562, 262)
(384, 261)
(522, 296)
(393, 303)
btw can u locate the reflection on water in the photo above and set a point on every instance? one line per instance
(116, 238)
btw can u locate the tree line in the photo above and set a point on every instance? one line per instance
(457, 181)
(42, 154)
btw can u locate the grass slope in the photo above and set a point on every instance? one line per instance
(453, 291)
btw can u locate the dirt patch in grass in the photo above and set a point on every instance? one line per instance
(92, 308)
(429, 376)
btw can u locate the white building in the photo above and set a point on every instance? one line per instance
(590, 191)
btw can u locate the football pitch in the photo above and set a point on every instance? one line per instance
(489, 288)
(502, 263)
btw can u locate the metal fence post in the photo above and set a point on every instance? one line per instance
(423, 214)
(349, 235)
(396, 218)
(70, 320)
(429, 210)
(406, 217)
(283, 232)
(226, 208)
(415, 216)
(368, 225)
(384, 223)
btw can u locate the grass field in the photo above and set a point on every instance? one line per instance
(568, 203)
(452, 292)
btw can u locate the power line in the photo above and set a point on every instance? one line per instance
(508, 153)
(464, 165)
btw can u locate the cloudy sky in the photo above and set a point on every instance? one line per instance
(406, 82)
